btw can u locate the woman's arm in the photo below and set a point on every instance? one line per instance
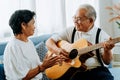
(48, 61)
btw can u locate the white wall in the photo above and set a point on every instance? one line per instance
(102, 13)
(7, 8)
(104, 16)
(110, 27)
(116, 29)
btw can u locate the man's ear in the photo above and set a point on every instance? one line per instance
(91, 20)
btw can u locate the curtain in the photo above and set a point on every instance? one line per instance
(51, 15)
(7, 8)
(56, 15)
(72, 5)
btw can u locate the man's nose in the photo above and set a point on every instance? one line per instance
(77, 21)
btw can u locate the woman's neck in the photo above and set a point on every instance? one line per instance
(22, 37)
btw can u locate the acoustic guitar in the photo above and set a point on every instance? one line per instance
(78, 48)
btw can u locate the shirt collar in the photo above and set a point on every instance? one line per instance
(89, 32)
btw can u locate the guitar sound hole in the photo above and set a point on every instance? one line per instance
(73, 54)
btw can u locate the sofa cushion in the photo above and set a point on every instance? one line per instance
(2, 74)
(41, 38)
(1, 59)
(41, 50)
(2, 47)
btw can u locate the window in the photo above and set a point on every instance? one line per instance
(72, 5)
(7, 8)
(58, 14)
(51, 16)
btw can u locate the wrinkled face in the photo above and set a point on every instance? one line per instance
(82, 22)
(29, 28)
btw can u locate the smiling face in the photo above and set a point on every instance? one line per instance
(81, 21)
(28, 28)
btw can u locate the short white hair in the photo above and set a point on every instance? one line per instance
(91, 13)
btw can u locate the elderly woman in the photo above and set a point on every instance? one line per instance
(21, 61)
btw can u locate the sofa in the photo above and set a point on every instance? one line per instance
(39, 42)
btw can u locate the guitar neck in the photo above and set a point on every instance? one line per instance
(96, 46)
(89, 48)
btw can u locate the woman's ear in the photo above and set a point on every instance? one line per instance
(23, 25)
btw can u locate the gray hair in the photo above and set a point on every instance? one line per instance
(91, 13)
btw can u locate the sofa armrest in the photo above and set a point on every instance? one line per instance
(1, 59)
(115, 72)
(2, 74)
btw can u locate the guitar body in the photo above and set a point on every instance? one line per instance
(67, 69)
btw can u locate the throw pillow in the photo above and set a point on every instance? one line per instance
(41, 50)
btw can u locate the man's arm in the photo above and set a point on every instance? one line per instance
(107, 55)
(52, 46)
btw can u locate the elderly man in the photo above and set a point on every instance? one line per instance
(85, 29)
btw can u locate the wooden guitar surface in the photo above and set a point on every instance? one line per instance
(57, 71)
(82, 47)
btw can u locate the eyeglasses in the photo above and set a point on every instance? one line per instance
(79, 19)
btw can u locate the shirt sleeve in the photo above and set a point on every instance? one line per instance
(16, 64)
(22, 66)
(63, 35)
(104, 36)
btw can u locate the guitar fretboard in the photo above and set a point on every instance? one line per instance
(96, 46)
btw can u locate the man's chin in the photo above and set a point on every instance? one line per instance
(77, 28)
